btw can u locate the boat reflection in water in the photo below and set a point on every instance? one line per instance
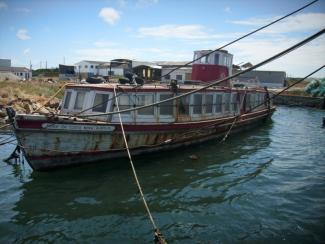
(101, 203)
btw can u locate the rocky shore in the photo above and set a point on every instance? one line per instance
(28, 97)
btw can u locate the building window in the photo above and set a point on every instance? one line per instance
(21, 74)
(227, 102)
(91, 66)
(218, 103)
(86, 66)
(208, 103)
(179, 77)
(167, 77)
(145, 100)
(100, 103)
(166, 108)
(67, 100)
(197, 104)
(79, 100)
(183, 106)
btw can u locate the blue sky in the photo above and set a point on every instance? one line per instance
(151, 30)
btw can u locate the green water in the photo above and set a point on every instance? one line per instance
(263, 186)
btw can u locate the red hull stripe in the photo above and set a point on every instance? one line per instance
(33, 124)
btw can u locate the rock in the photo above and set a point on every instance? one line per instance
(3, 114)
(28, 108)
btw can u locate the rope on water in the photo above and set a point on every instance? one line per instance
(158, 236)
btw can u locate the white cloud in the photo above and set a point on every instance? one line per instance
(148, 53)
(190, 32)
(227, 9)
(296, 23)
(23, 10)
(122, 3)
(22, 34)
(109, 15)
(146, 3)
(3, 6)
(26, 51)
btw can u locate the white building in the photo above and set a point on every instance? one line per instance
(180, 74)
(21, 72)
(88, 68)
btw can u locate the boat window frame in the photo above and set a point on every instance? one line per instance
(76, 92)
(193, 106)
(225, 97)
(94, 98)
(217, 94)
(67, 100)
(205, 103)
(181, 106)
(139, 115)
(234, 100)
(159, 107)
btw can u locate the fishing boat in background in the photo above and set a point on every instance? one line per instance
(87, 127)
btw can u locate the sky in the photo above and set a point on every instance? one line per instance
(68, 31)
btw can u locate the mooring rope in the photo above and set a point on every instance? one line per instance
(158, 237)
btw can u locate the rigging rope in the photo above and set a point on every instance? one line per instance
(270, 98)
(242, 37)
(214, 83)
(158, 235)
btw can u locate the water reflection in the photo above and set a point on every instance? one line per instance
(105, 195)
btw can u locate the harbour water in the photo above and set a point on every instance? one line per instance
(262, 186)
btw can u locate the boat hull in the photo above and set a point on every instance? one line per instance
(48, 144)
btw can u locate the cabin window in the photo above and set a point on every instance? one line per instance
(218, 103)
(145, 100)
(86, 66)
(252, 102)
(234, 102)
(197, 104)
(124, 103)
(179, 77)
(216, 58)
(79, 100)
(183, 107)
(166, 108)
(100, 103)
(167, 77)
(208, 103)
(227, 102)
(91, 66)
(67, 100)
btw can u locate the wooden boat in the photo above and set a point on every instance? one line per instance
(64, 139)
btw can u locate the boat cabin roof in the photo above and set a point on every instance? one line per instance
(155, 87)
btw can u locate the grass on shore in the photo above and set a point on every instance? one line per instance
(34, 90)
